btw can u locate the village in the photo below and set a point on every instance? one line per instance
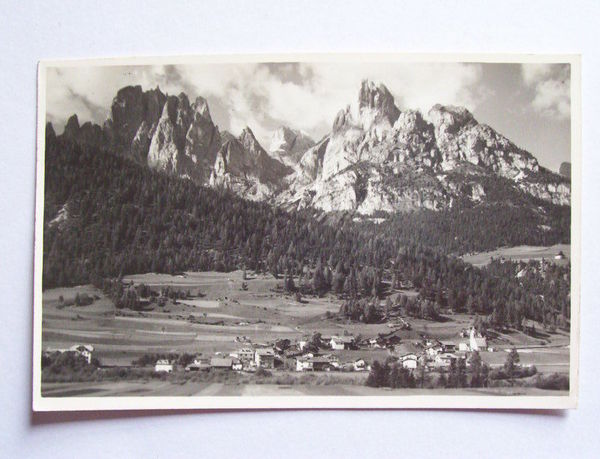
(321, 353)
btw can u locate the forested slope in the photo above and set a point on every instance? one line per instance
(107, 216)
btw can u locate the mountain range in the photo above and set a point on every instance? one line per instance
(376, 158)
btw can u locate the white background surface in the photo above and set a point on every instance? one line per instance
(70, 29)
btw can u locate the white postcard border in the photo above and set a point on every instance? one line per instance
(40, 403)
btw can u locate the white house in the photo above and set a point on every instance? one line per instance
(264, 358)
(246, 354)
(443, 360)
(341, 342)
(410, 361)
(163, 366)
(464, 346)
(304, 364)
(477, 343)
(84, 350)
(302, 344)
(199, 364)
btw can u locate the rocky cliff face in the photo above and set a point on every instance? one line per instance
(376, 157)
(133, 120)
(185, 141)
(288, 145)
(243, 166)
(565, 169)
(170, 134)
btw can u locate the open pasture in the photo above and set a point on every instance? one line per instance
(521, 253)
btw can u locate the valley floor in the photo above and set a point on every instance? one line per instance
(222, 317)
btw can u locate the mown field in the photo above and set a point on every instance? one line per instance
(521, 253)
(220, 315)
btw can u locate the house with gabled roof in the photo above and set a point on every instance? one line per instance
(477, 343)
(221, 363)
(410, 361)
(341, 342)
(163, 366)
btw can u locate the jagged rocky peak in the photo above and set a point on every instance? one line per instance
(132, 105)
(311, 162)
(460, 138)
(376, 158)
(185, 140)
(565, 169)
(133, 118)
(375, 109)
(413, 140)
(243, 166)
(342, 121)
(249, 142)
(230, 159)
(87, 133)
(203, 139)
(449, 119)
(163, 152)
(179, 111)
(288, 145)
(376, 102)
(72, 127)
(200, 107)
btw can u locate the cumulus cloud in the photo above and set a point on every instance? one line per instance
(552, 85)
(88, 91)
(305, 96)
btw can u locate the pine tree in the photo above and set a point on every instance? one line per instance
(339, 279)
(476, 370)
(318, 281)
(511, 363)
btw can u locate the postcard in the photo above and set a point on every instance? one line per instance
(308, 231)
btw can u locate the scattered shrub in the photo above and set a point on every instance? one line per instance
(554, 381)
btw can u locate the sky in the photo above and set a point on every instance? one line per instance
(528, 103)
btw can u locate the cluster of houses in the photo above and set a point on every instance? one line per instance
(245, 359)
(440, 354)
(251, 358)
(303, 355)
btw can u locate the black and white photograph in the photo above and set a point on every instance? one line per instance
(315, 231)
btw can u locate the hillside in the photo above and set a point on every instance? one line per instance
(137, 220)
